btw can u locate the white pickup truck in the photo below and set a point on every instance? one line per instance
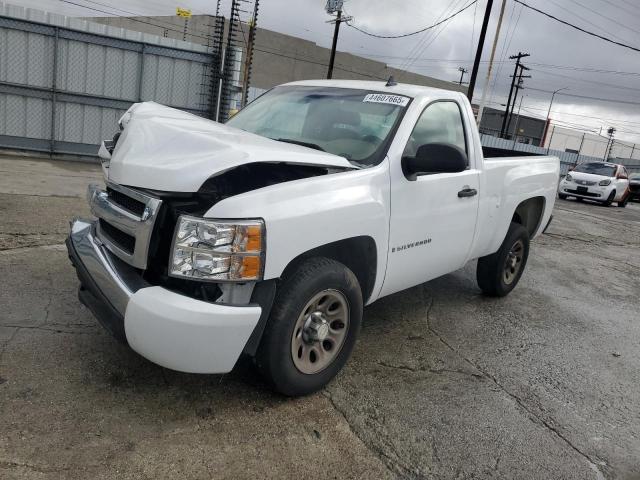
(268, 235)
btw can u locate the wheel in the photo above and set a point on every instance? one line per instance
(609, 200)
(579, 199)
(312, 328)
(623, 203)
(497, 274)
(562, 196)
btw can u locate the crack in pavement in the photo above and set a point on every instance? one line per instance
(36, 468)
(48, 246)
(437, 371)
(592, 464)
(43, 328)
(394, 465)
(5, 345)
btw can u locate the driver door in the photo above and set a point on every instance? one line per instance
(433, 218)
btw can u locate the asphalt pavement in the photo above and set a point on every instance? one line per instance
(444, 383)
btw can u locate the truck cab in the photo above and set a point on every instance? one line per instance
(269, 234)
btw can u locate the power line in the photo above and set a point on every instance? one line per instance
(427, 42)
(573, 13)
(625, 123)
(595, 82)
(630, 47)
(336, 67)
(412, 33)
(613, 100)
(584, 69)
(600, 14)
(130, 18)
(428, 37)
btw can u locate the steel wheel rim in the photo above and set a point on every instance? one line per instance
(320, 331)
(513, 262)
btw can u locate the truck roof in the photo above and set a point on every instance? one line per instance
(380, 86)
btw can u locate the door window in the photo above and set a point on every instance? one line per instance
(440, 122)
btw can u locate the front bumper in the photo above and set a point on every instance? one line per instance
(594, 192)
(172, 330)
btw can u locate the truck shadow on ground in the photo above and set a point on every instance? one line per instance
(400, 319)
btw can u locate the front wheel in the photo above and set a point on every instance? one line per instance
(623, 203)
(561, 196)
(497, 274)
(312, 328)
(609, 200)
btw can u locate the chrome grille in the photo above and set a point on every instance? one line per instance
(127, 218)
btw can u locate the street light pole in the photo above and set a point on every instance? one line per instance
(546, 125)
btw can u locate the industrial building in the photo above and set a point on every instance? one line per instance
(525, 129)
(591, 144)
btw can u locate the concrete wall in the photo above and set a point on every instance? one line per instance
(280, 58)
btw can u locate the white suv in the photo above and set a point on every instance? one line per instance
(600, 181)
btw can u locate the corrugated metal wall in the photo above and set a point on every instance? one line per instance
(65, 82)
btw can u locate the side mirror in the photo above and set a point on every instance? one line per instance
(434, 158)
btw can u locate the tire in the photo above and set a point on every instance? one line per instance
(623, 203)
(579, 199)
(491, 273)
(298, 314)
(609, 200)
(562, 196)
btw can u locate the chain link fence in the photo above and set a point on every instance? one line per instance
(63, 89)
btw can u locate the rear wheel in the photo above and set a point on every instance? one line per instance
(497, 274)
(312, 328)
(609, 200)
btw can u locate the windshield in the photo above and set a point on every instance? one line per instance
(354, 124)
(604, 169)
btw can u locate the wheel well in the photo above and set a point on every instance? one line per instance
(529, 214)
(358, 254)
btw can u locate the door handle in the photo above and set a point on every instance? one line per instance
(467, 192)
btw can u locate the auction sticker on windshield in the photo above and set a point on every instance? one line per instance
(384, 98)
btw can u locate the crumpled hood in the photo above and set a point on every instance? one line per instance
(166, 149)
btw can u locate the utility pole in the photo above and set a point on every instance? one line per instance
(553, 129)
(515, 127)
(334, 44)
(584, 134)
(335, 6)
(462, 71)
(517, 57)
(517, 86)
(610, 132)
(487, 81)
(476, 62)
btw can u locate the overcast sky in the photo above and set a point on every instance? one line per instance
(556, 50)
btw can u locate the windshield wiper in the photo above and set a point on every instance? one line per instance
(299, 142)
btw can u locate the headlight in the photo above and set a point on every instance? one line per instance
(568, 178)
(206, 249)
(604, 183)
